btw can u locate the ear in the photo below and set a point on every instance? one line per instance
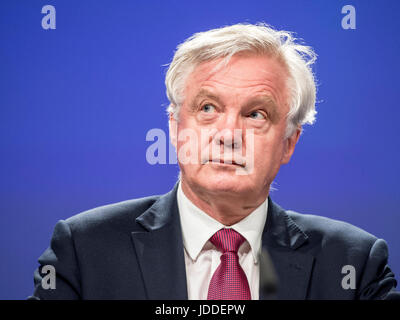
(290, 144)
(173, 130)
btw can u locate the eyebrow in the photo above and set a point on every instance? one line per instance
(268, 102)
(203, 93)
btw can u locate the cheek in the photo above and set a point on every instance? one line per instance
(268, 153)
(188, 145)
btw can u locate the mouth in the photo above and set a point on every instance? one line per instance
(223, 162)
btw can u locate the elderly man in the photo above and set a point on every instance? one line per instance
(241, 94)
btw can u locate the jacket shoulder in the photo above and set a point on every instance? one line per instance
(117, 216)
(329, 231)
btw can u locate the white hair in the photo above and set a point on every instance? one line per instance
(248, 38)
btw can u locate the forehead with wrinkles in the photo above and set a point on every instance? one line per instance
(243, 78)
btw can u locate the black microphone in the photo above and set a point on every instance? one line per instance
(268, 277)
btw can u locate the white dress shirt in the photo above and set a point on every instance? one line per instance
(202, 258)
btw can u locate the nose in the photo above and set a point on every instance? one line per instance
(230, 133)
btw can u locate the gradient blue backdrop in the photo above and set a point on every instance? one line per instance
(76, 104)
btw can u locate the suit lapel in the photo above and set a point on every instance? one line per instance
(159, 250)
(282, 238)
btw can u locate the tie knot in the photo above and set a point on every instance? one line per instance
(227, 240)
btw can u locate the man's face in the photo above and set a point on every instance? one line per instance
(249, 94)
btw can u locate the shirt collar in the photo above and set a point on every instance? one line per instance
(198, 227)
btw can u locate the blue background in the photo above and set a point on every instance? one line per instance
(76, 104)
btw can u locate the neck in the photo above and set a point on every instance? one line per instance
(225, 207)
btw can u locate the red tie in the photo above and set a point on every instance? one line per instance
(229, 281)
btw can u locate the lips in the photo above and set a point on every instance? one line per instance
(226, 161)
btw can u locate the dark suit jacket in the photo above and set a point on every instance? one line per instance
(134, 250)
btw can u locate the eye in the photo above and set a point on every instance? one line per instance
(208, 108)
(257, 115)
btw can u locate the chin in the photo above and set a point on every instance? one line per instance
(225, 182)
